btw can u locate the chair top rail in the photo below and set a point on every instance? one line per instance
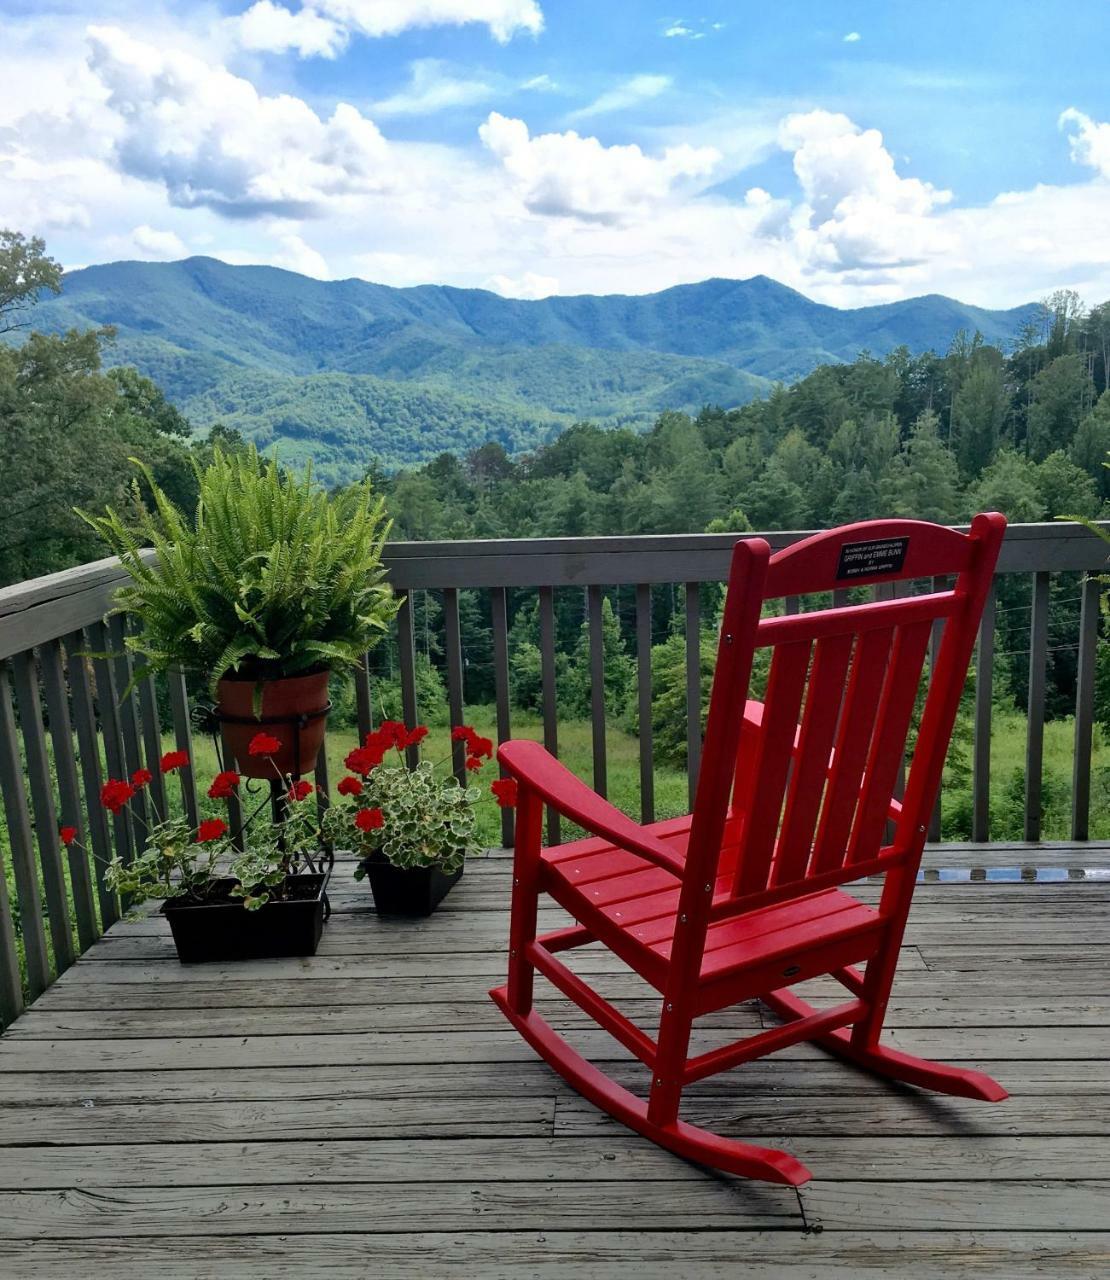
(52, 606)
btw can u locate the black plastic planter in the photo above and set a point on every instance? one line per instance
(407, 891)
(225, 930)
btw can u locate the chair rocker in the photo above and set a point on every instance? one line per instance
(742, 899)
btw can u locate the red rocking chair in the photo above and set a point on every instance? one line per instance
(740, 899)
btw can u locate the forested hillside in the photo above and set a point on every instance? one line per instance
(343, 370)
(1024, 429)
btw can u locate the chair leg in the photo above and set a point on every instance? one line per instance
(673, 1044)
(525, 899)
(893, 1063)
(686, 1140)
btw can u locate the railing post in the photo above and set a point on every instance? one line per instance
(24, 870)
(499, 612)
(1085, 708)
(643, 691)
(550, 705)
(981, 745)
(1034, 742)
(693, 688)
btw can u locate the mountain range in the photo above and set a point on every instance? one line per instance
(348, 371)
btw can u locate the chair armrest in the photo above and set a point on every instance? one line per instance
(536, 768)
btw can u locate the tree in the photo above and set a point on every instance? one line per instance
(25, 271)
(923, 481)
(978, 412)
(576, 691)
(1064, 488)
(1009, 485)
(1061, 394)
(1091, 445)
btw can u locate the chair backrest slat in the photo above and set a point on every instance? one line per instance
(888, 743)
(806, 785)
(857, 719)
(766, 781)
(824, 700)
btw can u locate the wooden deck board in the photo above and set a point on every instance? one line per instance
(367, 1112)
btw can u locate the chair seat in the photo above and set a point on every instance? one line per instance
(633, 906)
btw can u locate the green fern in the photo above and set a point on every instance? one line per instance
(272, 578)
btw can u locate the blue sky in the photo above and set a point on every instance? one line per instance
(857, 151)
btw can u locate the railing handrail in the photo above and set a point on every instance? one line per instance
(46, 608)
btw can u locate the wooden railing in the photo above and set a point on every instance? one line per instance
(64, 726)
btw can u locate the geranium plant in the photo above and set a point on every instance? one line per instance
(413, 817)
(193, 865)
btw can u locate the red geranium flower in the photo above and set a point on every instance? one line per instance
(369, 819)
(223, 784)
(349, 786)
(141, 777)
(476, 745)
(68, 834)
(264, 744)
(505, 791)
(415, 736)
(474, 763)
(211, 829)
(362, 759)
(392, 732)
(174, 760)
(114, 794)
(300, 790)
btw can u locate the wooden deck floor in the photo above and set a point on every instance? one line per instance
(367, 1113)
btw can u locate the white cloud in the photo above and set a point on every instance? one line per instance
(540, 84)
(853, 37)
(296, 255)
(858, 212)
(271, 28)
(529, 285)
(677, 30)
(1090, 143)
(213, 140)
(630, 93)
(564, 174)
(162, 245)
(431, 88)
(504, 18)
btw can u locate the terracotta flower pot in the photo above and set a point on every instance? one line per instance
(294, 696)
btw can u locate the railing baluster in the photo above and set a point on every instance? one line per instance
(597, 688)
(37, 767)
(183, 740)
(152, 744)
(550, 710)
(406, 652)
(24, 869)
(643, 693)
(69, 792)
(128, 721)
(499, 614)
(88, 745)
(363, 701)
(110, 730)
(693, 688)
(454, 659)
(1085, 708)
(1034, 741)
(981, 746)
(937, 584)
(11, 987)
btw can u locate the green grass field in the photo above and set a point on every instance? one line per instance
(576, 751)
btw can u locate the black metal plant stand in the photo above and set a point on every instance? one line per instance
(213, 718)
